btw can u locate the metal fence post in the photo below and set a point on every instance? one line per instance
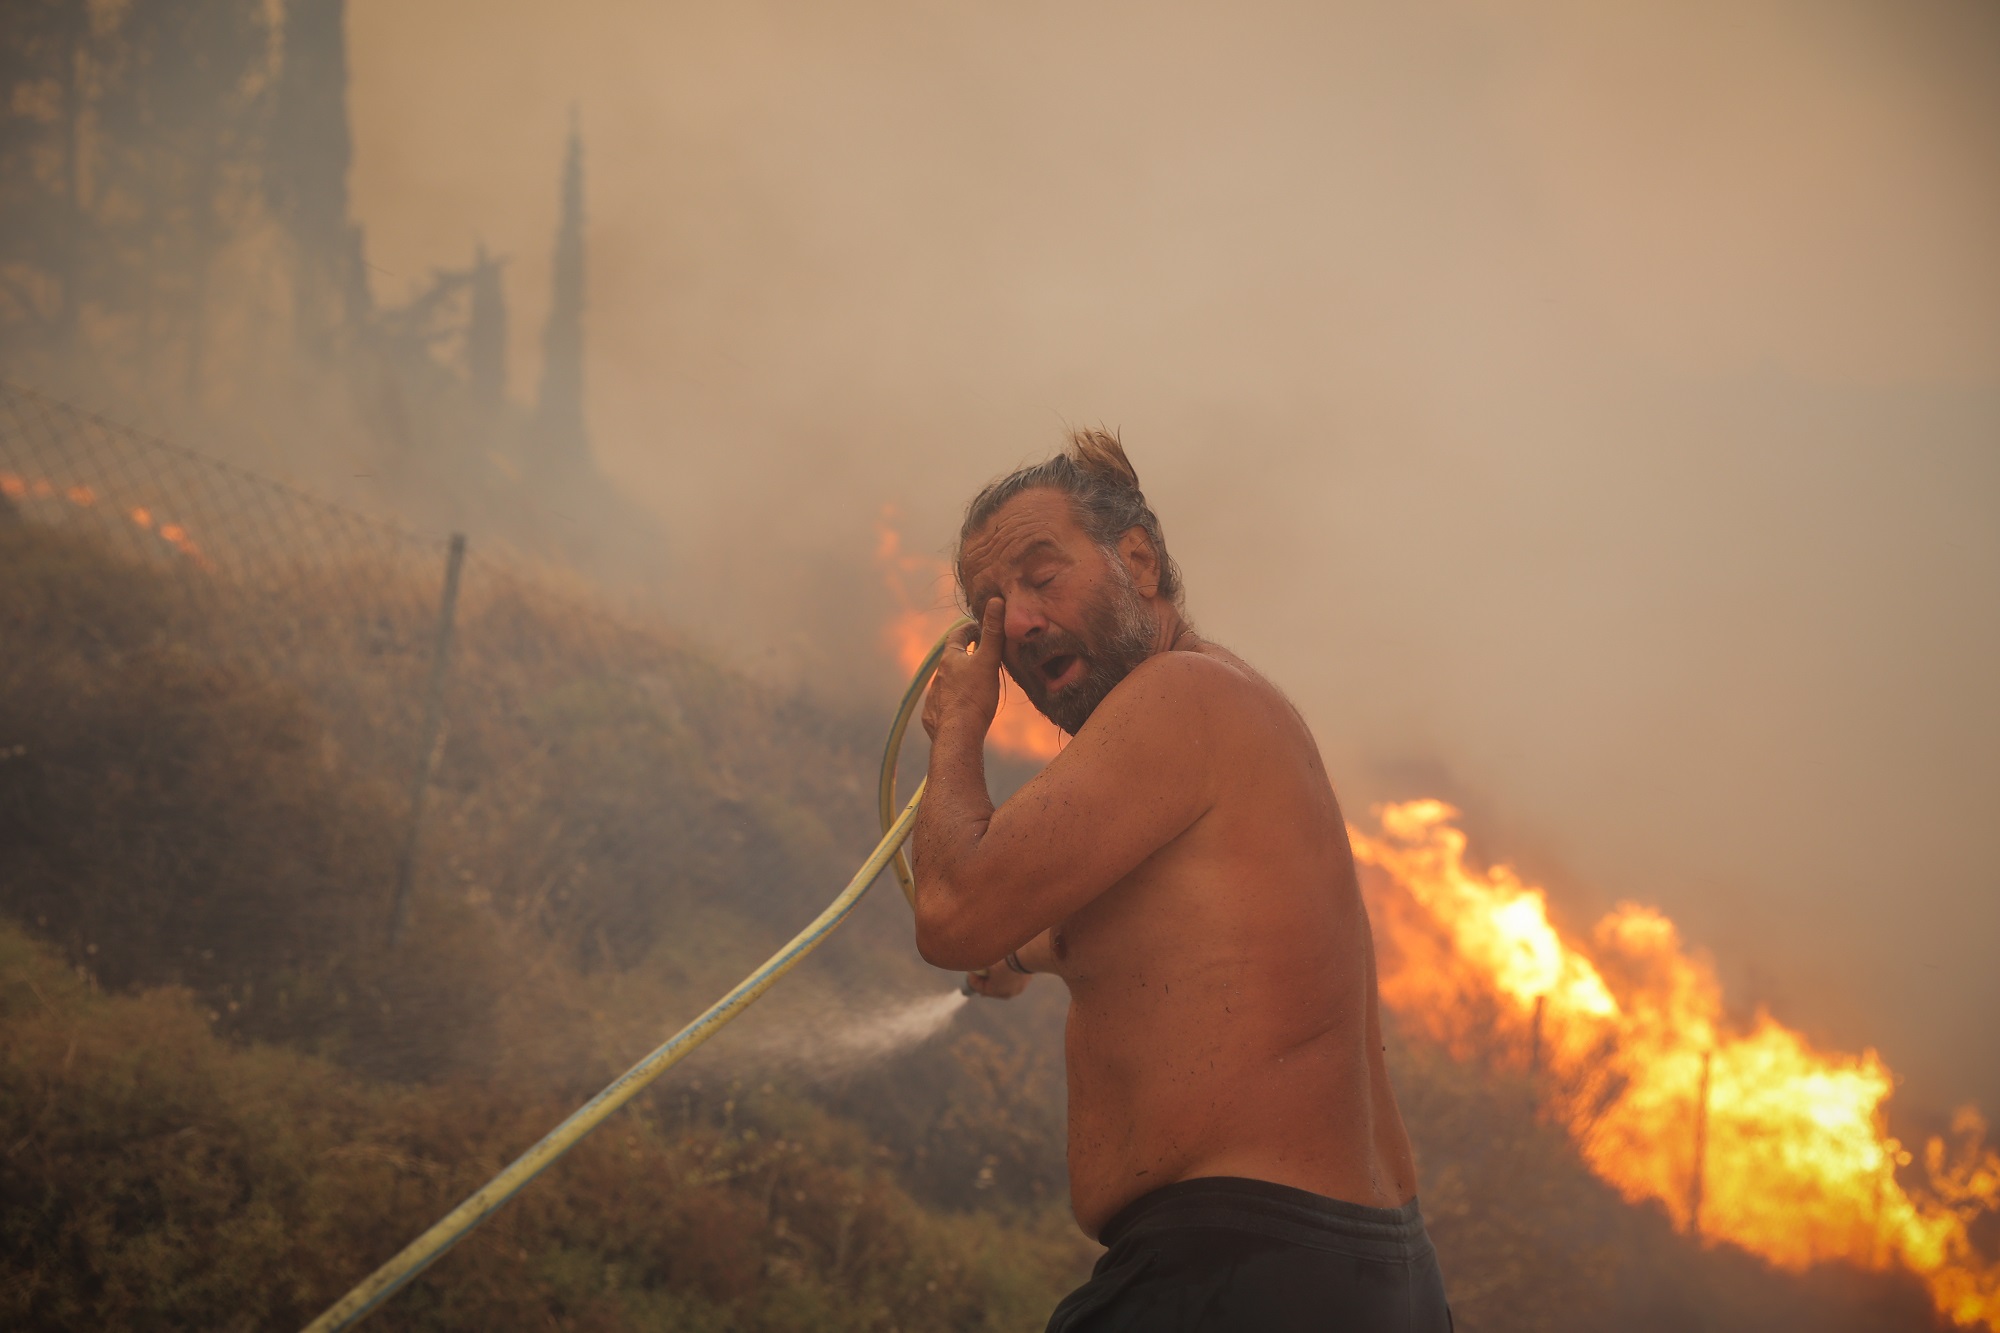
(427, 752)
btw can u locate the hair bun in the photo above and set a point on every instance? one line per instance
(1102, 454)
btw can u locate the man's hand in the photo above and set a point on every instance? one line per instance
(998, 982)
(967, 683)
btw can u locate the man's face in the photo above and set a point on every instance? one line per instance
(1076, 625)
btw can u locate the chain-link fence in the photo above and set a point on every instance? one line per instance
(244, 568)
(571, 764)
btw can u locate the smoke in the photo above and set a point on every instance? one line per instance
(1585, 414)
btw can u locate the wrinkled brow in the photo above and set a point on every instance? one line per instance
(982, 592)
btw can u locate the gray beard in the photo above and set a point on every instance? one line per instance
(1118, 635)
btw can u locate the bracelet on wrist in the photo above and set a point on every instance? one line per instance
(1014, 962)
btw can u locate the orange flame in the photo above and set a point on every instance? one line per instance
(1745, 1136)
(1018, 730)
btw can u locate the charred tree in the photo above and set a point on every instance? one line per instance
(561, 442)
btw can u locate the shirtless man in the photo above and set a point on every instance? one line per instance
(1183, 866)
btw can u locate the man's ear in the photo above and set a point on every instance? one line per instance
(1142, 562)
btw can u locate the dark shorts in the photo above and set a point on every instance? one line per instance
(1220, 1254)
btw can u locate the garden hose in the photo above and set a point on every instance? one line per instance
(425, 1250)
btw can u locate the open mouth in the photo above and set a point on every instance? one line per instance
(1060, 669)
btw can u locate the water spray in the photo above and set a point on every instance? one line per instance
(426, 1249)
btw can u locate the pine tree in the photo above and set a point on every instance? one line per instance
(561, 442)
(305, 177)
(180, 124)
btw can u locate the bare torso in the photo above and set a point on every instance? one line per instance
(1182, 865)
(1223, 1015)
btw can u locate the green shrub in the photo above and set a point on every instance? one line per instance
(158, 1176)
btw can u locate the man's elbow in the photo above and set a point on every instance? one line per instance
(946, 939)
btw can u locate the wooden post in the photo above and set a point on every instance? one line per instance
(1700, 1149)
(427, 752)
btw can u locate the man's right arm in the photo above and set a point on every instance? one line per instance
(1136, 777)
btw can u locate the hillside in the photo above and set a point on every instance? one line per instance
(226, 1098)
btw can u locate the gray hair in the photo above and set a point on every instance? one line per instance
(1103, 489)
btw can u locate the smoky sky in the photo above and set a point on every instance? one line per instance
(1590, 416)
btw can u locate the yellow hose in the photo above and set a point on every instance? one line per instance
(425, 1250)
(886, 789)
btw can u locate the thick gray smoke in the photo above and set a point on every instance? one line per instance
(1587, 415)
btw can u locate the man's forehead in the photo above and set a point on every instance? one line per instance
(1023, 527)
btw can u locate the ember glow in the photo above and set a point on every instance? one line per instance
(923, 589)
(1744, 1133)
(16, 487)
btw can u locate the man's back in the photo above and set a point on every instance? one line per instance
(1223, 1018)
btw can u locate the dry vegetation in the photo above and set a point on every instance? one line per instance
(222, 1100)
(160, 1176)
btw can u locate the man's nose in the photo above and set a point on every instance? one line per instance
(1024, 619)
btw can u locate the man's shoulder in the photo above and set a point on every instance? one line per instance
(1191, 679)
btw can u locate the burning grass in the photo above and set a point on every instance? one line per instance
(1747, 1136)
